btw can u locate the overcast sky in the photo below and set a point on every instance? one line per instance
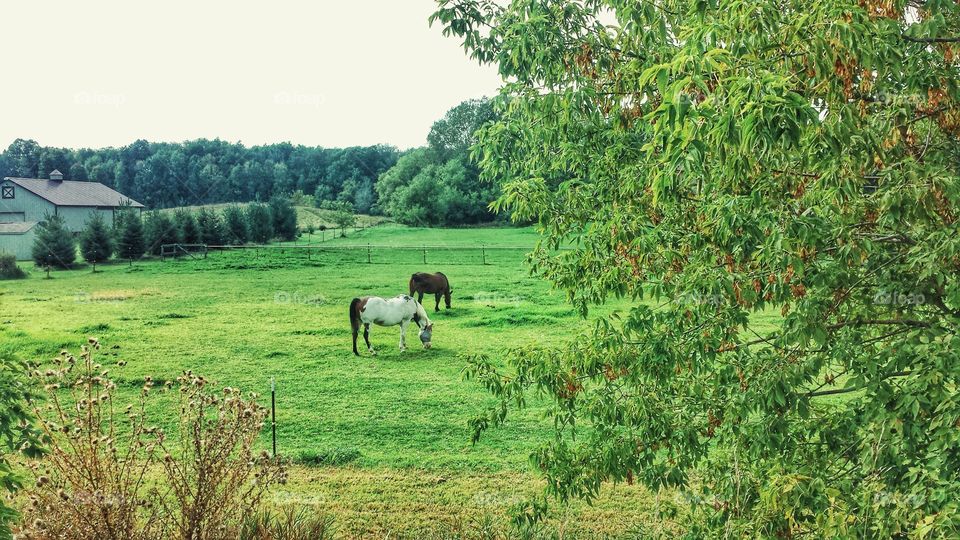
(329, 73)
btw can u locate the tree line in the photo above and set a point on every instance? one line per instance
(165, 175)
(434, 185)
(132, 236)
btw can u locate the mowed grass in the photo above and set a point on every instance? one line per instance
(383, 442)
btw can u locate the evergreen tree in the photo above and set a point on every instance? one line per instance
(260, 222)
(187, 225)
(160, 229)
(54, 244)
(236, 225)
(96, 242)
(211, 227)
(131, 244)
(284, 218)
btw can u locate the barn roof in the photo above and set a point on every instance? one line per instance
(74, 193)
(18, 227)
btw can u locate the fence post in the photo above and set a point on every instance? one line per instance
(483, 253)
(424, 254)
(368, 253)
(273, 413)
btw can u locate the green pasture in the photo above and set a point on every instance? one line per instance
(244, 317)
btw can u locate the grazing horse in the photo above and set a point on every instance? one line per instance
(437, 284)
(400, 310)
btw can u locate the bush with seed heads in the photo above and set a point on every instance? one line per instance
(110, 473)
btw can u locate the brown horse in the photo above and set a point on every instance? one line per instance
(436, 284)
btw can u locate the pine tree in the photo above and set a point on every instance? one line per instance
(187, 224)
(131, 244)
(159, 230)
(96, 242)
(260, 222)
(236, 225)
(211, 227)
(54, 245)
(284, 218)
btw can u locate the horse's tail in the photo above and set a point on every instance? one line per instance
(355, 322)
(413, 284)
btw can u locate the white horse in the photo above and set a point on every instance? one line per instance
(400, 310)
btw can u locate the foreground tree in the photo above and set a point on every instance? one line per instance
(774, 187)
(54, 244)
(96, 242)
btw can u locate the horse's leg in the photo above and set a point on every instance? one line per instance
(403, 335)
(366, 337)
(437, 308)
(420, 297)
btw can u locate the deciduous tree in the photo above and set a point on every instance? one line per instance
(774, 189)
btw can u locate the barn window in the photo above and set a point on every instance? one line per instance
(7, 192)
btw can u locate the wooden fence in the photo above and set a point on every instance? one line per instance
(369, 253)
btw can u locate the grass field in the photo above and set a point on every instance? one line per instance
(392, 430)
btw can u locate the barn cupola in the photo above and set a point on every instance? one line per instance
(56, 176)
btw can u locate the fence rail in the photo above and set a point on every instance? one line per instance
(178, 250)
(482, 252)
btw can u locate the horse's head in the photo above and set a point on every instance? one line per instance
(426, 334)
(426, 327)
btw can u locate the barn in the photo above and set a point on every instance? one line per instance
(24, 202)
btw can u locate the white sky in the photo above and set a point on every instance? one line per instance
(330, 73)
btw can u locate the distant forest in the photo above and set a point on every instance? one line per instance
(434, 185)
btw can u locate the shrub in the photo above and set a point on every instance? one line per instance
(95, 480)
(18, 432)
(9, 268)
(54, 244)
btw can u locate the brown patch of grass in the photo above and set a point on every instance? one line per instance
(398, 503)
